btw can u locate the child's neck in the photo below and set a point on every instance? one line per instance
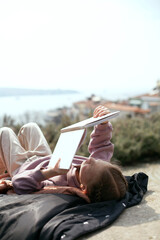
(77, 174)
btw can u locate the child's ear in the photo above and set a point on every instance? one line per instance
(83, 188)
(84, 193)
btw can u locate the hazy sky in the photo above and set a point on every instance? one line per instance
(80, 44)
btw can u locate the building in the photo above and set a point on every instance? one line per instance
(149, 101)
(86, 107)
(127, 110)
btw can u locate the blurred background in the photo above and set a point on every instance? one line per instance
(60, 59)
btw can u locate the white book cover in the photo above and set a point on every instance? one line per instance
(66, 148)
(90, 122)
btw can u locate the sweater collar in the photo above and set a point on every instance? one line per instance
(72, 177)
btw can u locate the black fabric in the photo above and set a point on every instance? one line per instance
(59, 216)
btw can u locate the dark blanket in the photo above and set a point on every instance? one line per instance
(59, 216)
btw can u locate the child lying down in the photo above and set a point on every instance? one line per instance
(26, 158)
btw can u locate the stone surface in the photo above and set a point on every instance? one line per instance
(141, 221)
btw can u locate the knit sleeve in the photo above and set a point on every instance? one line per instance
(100, 146)
(28, 181)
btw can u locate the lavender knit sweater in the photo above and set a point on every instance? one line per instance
(29, 177)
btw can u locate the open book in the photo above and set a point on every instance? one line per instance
(70, 139)
(66, 148)
(90, 122)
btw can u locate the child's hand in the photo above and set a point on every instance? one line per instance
(5, 185)
(58, 170)
(54, 171)
(101, 111)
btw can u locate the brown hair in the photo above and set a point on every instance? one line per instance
(112, 185)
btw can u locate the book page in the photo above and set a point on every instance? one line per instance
(66, 148)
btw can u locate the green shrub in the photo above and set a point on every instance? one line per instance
(137, 139)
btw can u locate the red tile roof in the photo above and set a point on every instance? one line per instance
(113, 106)
(148, 95)
(126, 108)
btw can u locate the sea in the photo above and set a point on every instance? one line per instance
(34, 108)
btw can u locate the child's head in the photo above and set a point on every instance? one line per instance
(102, 181)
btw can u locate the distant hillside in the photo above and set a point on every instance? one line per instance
(25, 92)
